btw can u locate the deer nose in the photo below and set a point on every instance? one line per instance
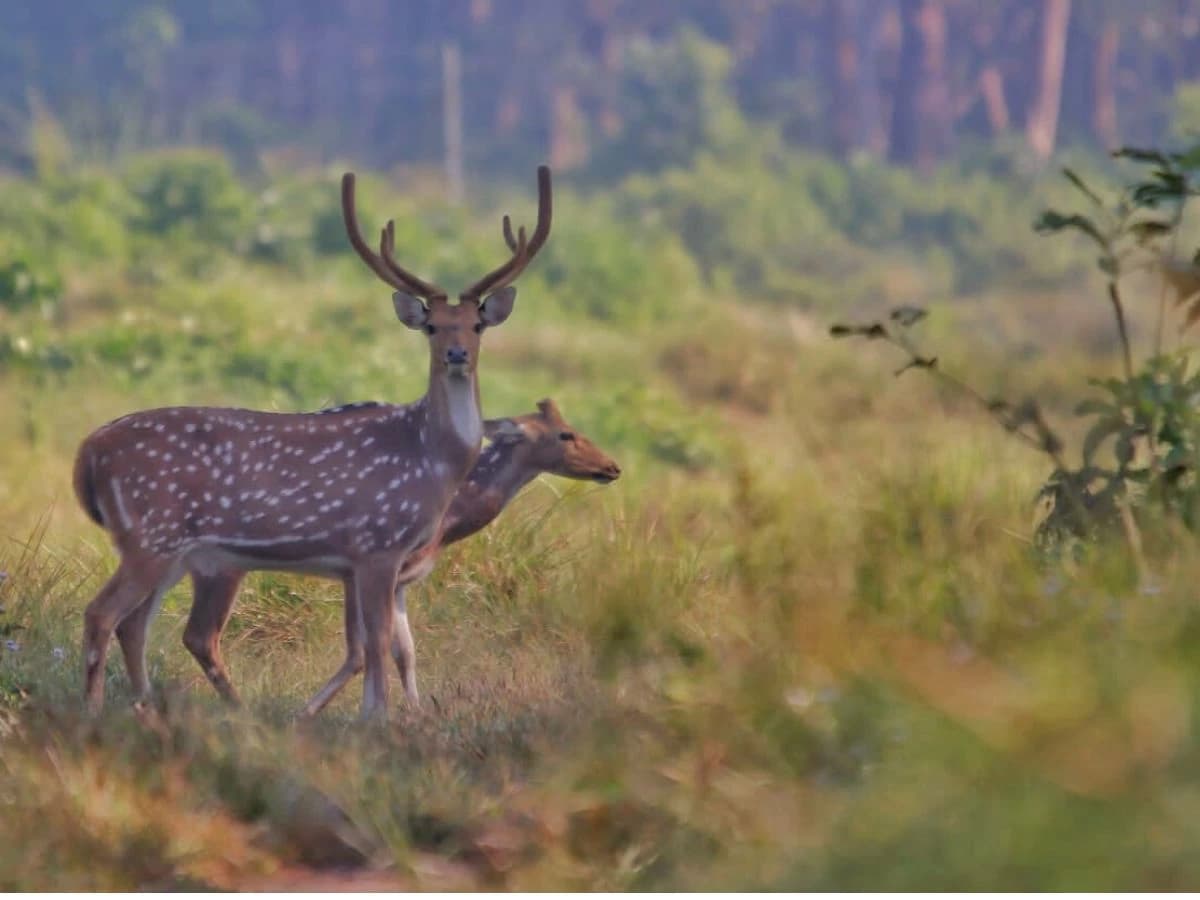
(457, 356)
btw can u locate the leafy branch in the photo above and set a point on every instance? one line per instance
(1150, 417)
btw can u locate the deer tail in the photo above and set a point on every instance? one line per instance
(85, 484)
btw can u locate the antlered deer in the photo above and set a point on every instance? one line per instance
(522, 448)
(351, 496)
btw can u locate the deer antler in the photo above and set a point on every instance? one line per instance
(383, 264)
(523, 253)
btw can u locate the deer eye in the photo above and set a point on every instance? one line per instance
(478, 327)
(566, 436)
(429, 329)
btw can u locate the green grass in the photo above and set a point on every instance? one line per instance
(802, 643)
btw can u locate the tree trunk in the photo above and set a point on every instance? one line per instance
(568, 144)
(452, 122)
(921, 113)
(854, 113)
(601, 44)
(872, 28)
(1041, 127)
(1104, 93)
(842, 33)
(991, 86)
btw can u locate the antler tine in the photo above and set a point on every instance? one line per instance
(383, 266)
(545, 209)
(542, 231)
(510, 270)
(350, 218)
(503, 275)
(386, 248)
(386, 240)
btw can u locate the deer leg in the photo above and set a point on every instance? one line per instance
(212, 602)
(355, 638)
(403, 650)
(375, 586)
(131, 635)
(130, 585)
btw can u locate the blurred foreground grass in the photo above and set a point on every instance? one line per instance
(801, 644)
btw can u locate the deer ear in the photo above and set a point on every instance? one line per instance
(410, 310)
(549, 410)
(502, 430)
(498, 306)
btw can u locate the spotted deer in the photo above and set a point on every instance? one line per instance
(522, 447)
(218, 492)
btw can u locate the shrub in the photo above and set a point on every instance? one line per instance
(22, 285)
(190, 196)
(604, 268)
(747, 227)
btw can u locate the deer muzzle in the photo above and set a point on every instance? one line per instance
(458, 360)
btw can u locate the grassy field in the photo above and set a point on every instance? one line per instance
(802, 643)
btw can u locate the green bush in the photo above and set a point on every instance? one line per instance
(787, 225)
(189, 197)
(604, 268)
(22, 285)
(286, 217)
(64, 220)
(749, 227)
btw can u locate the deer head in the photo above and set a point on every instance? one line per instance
(453, 330)
(546, 442)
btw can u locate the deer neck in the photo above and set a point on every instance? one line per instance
(454, 422)
(498, 476)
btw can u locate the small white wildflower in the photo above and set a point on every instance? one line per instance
(58, 653)
(799, 698)
(12, 646)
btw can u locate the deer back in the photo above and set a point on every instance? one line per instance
(270, 487)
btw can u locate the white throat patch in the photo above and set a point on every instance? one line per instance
(464, 411)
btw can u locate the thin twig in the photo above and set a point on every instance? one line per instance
(1046, 441)
(1119, 311)
(928, 364)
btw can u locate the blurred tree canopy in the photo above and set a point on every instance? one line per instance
(610, 86)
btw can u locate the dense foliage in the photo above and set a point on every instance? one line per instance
(617, 86)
